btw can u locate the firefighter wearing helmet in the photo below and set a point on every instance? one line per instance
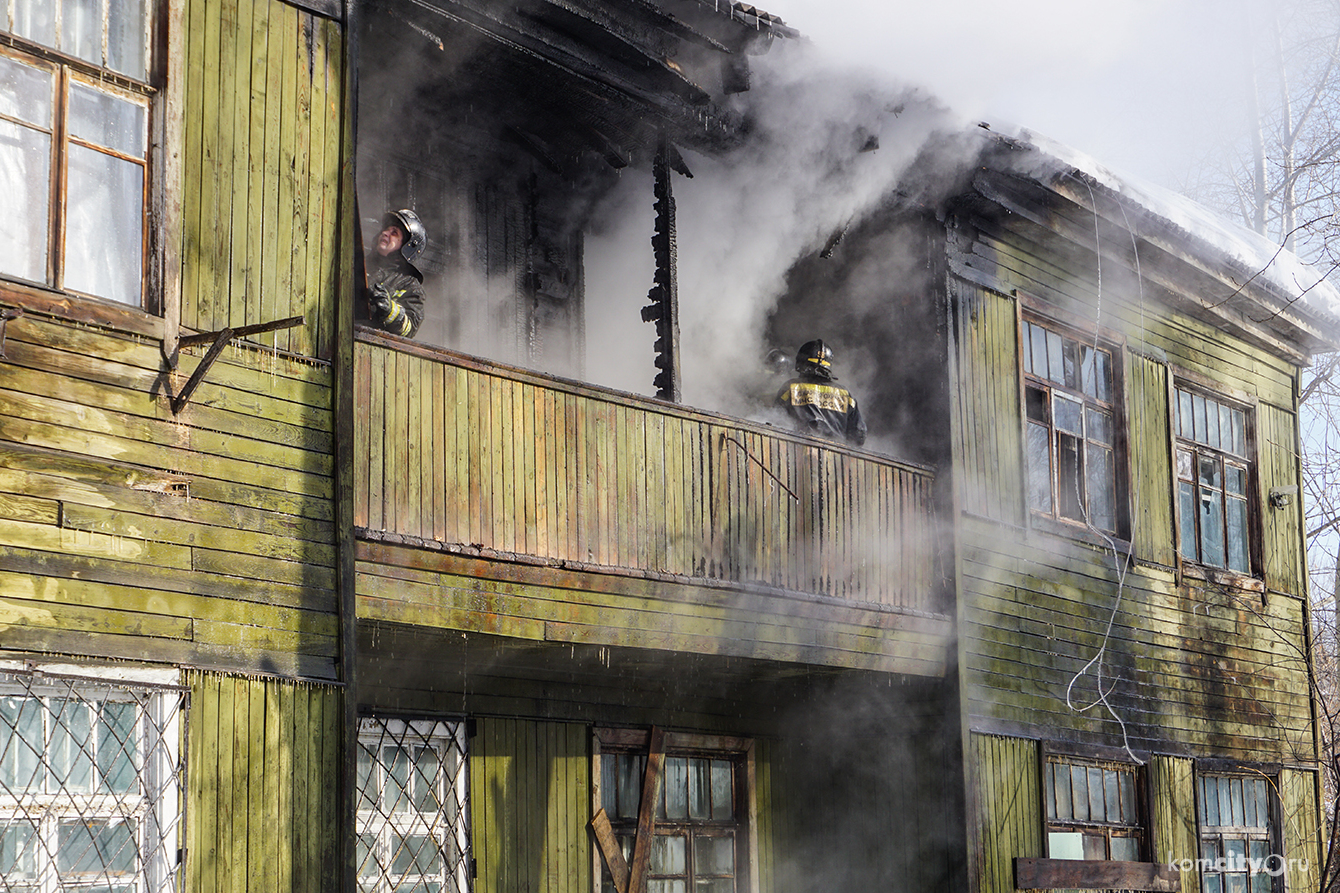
(395, 285)
(817, 405)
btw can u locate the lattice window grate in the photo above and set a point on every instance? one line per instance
(90, 784)
(413, 831)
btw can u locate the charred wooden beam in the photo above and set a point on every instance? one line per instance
(1078, 874)
(664, 295)
(220, 340)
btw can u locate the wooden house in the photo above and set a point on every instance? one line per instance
(288, 603)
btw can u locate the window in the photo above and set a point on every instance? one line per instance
(413, 832)
(1093, 811)
(1212, 476)
(1237, 855)
(1069, 398)
(74, 138)
(89, 785)
(700, 843)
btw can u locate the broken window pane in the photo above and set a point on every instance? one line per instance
(1211, 527)
(1039, 470)
(1069, 499)
(714, 855)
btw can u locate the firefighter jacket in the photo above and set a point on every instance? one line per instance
(395, 295)
(823, 408)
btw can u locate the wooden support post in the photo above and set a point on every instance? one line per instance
(609, 848)
(646, 815)
(220, 340)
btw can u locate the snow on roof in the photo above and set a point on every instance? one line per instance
(1272, 266)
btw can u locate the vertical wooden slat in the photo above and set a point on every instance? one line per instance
(319, 218)
(412, 461)
(282, 761)
(287, 302)
(303, 300)
(443, 440)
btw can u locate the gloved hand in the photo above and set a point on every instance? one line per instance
(381, 302)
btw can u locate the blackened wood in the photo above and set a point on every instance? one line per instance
(1048, 874)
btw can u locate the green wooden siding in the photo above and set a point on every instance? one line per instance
(1005, 820)
(1152, 528)
(1173, 814)
(530, 802)
(127, 531)
(466, 453)
(1277, 465)
(1303, 844)
(988, 425)
(263, 768)
(260, 169)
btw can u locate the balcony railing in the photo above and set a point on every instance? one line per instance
(491, 458)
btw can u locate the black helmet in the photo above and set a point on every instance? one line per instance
(815, 359)
(416, 237)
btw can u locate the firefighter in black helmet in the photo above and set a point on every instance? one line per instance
(817, 404)
(395, 285)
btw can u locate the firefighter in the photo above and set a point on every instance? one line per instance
(395, 285)
(816, 404)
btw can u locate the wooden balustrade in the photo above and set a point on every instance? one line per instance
(463, 452)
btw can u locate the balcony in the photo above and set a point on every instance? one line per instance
(493, 499)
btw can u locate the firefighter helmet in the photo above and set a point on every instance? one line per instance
(815, 359)
(416, 237)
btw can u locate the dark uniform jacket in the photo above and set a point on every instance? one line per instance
(403, 287)
(823, 408)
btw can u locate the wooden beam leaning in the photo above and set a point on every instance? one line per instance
(646, 814)
(220, 340)
(609, 848)
(1078, 874)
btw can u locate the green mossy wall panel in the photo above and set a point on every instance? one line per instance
(1005, 819)
(1277, 467)
(260, 169)
(988, 425)
(1151, 506)
(263, 768)
(530, 802)
(203, 537)
(1302, 837)
(1173, 814)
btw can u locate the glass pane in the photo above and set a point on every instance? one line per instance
(1095, 847)
(1068, 358)
(1184, 465)
(1096, 378)
(1209, 798)
(1211, 471)
(1101, 487)
(81, 29)
(1079, 789)
(1067, 415)
(1210, 850)
(415, 853)
(1039, 350)
(713, 855)
(1128, 798)
(700, 789)
(25, 181)
(365, 857)
(367, 793)
(1069, 499)
(1235, 883)
(723, 792)
(104, 229)
(1126, 849)
(1212, 423)
(1237, 535)
(1235, 800)
(108, 120)
(117, 747)
(1065, 845)
(94, 846)
(1184, 427)
(1103, 384)
(18, 850)
(71, 743)
(427, 770)
(630, 784)
(676, 885)
(1055, 365)
(1261, 883)
(21, 745)
(395, 796)
(676, 788)
(1027, 350)
(1213, 883)
(1098, 426)
(127, 37)
(1225, 427)
(1111, 799)
(714, 885)
(26, 93)
(1257, 851)
(1039, 470)
(1262, 807)
(1198, 418)
(1235, 854)
(609, 799)
(1211, 528)
(668, 854)
(1239, 432)
(36, 20)
(1095, 794)
(1235, 479)
(1187, 511)
(1225, 809)
(1063, 796)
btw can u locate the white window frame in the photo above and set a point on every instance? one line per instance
(155, 803)
(449, 825)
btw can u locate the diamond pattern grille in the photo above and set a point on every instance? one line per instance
(90, 784)
(413, 834)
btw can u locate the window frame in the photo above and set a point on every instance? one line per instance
(158, 217)
(1181, 380)
(1268, 775)
(610, 742)
(451, 832)
(1097, 758)
(1083, 335)
(156, 799)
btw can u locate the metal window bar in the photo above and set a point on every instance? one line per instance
(413, 807)
(90, 784)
